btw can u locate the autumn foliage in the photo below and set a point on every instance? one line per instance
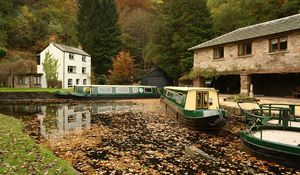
(123, 68)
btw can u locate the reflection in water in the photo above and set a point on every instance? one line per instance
(56, 120)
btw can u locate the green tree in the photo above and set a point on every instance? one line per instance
(229, 15)
(181, 24)
(98, 32)
(50, 66)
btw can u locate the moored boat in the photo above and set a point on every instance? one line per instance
(274, 134)
(111, 92)
(196, 107)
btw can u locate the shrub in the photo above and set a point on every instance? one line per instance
(102, 79)
(240, 98)
(2, 52)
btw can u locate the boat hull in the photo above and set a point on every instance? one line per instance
(105, 97)
(208, 122)
(280, 153)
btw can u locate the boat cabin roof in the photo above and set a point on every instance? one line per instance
(116, 86)
(189, 88)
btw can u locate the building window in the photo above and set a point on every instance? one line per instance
(83, 58)
(22, 80)
(278, 44)
(70, 83)
(218, 52)
(72, 69)
(71, 57)
(37, 80)
(245, 49)
(84, 70)
(84, 81)
(38, 60)
(77, 81)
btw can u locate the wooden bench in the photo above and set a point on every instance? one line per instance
(296, 92)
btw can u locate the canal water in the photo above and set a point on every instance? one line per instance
(55, 120)
(136, 137)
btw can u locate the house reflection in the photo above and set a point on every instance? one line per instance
(55, 121)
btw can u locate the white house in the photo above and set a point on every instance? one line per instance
(74, 65)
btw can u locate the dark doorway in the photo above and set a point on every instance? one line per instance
(277, 85)
(229, 84)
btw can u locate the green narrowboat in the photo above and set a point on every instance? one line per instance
(196, 107)
(273, 133)
(111, 92)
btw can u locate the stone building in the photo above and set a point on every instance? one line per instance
(29, 80)
(266, 55)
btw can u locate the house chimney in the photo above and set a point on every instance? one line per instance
(80, 46)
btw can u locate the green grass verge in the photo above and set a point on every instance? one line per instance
(51, 90)
(19, 154)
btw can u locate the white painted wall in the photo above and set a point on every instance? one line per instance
(64, 62)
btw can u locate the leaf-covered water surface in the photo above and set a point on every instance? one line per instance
(156, 143)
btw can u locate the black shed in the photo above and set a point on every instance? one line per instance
(156, 77)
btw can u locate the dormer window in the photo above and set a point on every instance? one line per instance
(278, 44)
(83, 58)
(71, 57)
(218, 52)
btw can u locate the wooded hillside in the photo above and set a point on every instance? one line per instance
(155, 32)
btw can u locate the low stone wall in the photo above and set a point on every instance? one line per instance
(26, 95)
(233, 111)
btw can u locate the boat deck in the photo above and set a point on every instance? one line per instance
(279, 136)
(291, 123)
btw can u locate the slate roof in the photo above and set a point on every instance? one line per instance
(70, 49)
(262, 29)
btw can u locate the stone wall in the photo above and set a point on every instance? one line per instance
(261, 61)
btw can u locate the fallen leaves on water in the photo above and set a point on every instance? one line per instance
(154, 143)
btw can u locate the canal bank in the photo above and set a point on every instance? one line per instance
(19, 154)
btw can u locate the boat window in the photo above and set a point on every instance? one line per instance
(87, 90)
(105, 90)
(135, 90)
(122, 90)
(169, 94)
(202, 100)
(178, 97)
(148, 90)
(71, 118)
(84, 117)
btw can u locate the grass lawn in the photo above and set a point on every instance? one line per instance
(19, 154)
(34, 90)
